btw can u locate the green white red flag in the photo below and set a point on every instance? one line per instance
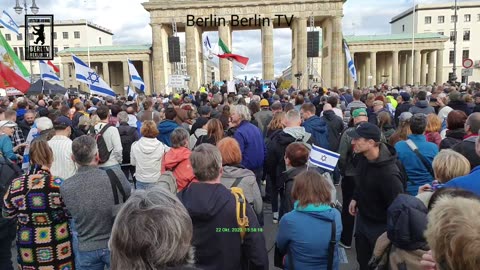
(12, 69)
(240, 61)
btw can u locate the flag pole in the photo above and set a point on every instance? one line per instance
(413, 44)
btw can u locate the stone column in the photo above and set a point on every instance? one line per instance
(327, 66)
(225, 33)
(193, 61)
(146, 77)
(431, 67)
(373, 67)
(106, 72)
(302, 52)
(368, 71)
(395, 74)
(267, 52)
(337, 52)
(416, 71)
(439, 67)
(294, 52)
(403, 69)
(65, 76)
(126, 77)
(409, 75)
(161, 66)
(423, 69)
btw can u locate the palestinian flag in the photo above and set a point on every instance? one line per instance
(12, 69)
(239, 60)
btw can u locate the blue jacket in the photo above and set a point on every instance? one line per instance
(418, 175)
(252, 145)
(6, 147)
(319, 130)
(470, 182)
(165, 128)
(305, 236)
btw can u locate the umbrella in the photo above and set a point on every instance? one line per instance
(48, 88)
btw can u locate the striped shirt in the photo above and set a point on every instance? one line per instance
(63, 165)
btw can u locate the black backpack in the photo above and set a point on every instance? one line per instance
(127, 137)
(103, 152)
(8, 172)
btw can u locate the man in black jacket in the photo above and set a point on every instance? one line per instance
(212, 207)
(378, 182)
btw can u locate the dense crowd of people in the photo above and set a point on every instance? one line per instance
(180, 181)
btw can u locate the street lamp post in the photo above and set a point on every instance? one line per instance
(18, 9)
(453, 79)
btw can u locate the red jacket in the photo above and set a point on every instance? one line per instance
(178, 161)
(433, 137)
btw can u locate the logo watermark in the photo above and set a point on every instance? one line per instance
(39, 37)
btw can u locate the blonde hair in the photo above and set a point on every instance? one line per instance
(449, 164)
(277, 121)
(453, 233)
(434, 124)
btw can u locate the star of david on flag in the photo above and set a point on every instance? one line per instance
(7, 22)
(85, 74)
(323, 158)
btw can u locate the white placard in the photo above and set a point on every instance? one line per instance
(231, 87)
(176, 81)
(467, 71)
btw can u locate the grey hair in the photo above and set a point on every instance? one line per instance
(166, 232)
(242, 111)
(206, 162)
(293, 116)
(122, 117)
(84, 149)
(179, 137)
(44, 123)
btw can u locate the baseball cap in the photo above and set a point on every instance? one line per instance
(367, 131)
(204, 110)
(359, 112)
(6, 123)
(405, 116)
(62, 122)
(264, 103)
(405, 96)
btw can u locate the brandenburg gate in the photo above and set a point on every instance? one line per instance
(197, 16)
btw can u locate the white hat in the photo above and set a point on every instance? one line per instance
(6, 123)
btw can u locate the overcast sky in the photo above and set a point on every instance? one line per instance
(129, 22)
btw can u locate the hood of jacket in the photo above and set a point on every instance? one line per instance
(175, 156)
(388, 155)
(316, 123)
(200, 131)
(455, 133)
(167, 126)
(204, 201)
(422, 104)
(148, 145)
(406, 222)
(293, 171)
(330, 115)
(292, 134)
(236, 171)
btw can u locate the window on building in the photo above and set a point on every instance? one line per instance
(453, 18)
(451, 57)
(403, 27)
(31, 37)
(55, 50)
(452, 35)
(15, 50)
(441, 19)
(466, 35)
(441, 33)
(100, 40)
(467, 17)
(428, 19)
(19, 36)
(76, 34)
(20, 50)
(8, 37)
(54, 35)
(65, 35)
(465, 54)
(66, 47)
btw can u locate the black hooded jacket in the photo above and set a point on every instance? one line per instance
(335, 128)
(212, 208)
(407, 220)
(378, 183)
(452, 137)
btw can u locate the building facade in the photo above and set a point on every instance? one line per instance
(67, 34)
(440, 18)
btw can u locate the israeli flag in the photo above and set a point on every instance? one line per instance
(46, 72)
(85, 74)
(323, 158)
(350, 63)
(7, 22)
(272, 87)
(135, 77)
(131, 92)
